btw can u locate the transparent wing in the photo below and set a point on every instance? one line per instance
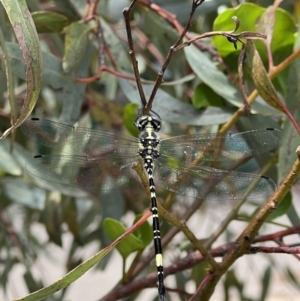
(213, 184)
(79, 171)
(215, 147)
(71, 140)
(108, 155)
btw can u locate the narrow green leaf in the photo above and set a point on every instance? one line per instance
(129, 116)
(22, 193)
(9, 163)
(76, 42)
(204, 96)
(77, 6)
(52, 69)
(49, 22)
(265, 283)
(9, 75)
(67, 8)
(7, 268)
(232, 281)
(72, 275)
(212, 76)
(294, 279)
(23, 26)
(73, 92)
(52, 218)
(31, 283)
(116, 47)
(260, 77)
(130, 244)
(70, 216)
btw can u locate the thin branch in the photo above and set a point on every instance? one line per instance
(263, 249)
(278, 235)
(126, 13)
(195, 258)
(228, 34)
(245, 239)
(172, 49)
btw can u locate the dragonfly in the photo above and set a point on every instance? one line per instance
(98, 160)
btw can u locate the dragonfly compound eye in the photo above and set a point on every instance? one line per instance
(153, 122)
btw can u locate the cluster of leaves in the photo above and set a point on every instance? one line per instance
(78, 69)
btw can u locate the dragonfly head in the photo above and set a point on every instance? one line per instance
(148, 121)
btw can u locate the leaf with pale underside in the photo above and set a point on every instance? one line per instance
(262, 82)
(260, 77)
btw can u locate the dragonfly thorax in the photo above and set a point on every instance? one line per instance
(149, 139)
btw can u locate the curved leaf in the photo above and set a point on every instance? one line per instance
(49, 22)
(8, 74)
(130, 244)
(249, 13)
(260, 77)
(75, 273)
(23, 26)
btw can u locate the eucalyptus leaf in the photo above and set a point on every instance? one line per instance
(260, 77)
(25, 32)
(76, 41)
(113, 204)
(172, 110)
(78, 5)
(118, 50)
(52, 217)
(249, 14)
(204, 96)
(130, 244)
(66, 8)
(47, 22)
(293, 277)
(70, 216)
(12, 161)
(208, 72)
(22, 193)
(73, 92)
(266, 281)
(130, 117)
(52, 70)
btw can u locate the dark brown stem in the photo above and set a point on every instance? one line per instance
(172, 49)
(126, 13)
